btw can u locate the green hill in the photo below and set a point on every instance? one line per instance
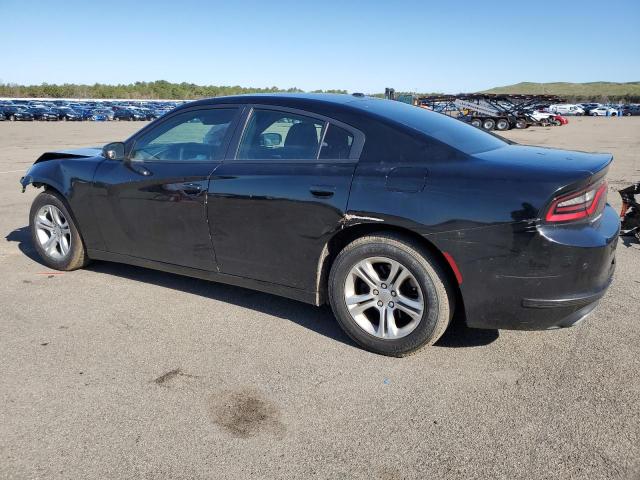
(602, 91)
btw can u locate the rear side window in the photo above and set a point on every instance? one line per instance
(443, 128)
(280, 135)
(336, 144)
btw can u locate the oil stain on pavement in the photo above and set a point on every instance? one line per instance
(245, 413)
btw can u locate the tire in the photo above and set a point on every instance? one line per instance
(476, 122)
(424, 282)
(64, 119)
(502, 124)
(489, 124)
(628, 114)
(12, 118)
(55, 257)
(521, 123)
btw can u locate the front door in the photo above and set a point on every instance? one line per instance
(275, 203)
(153, 205)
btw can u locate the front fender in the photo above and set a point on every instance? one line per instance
(73, 179)
(47, 173)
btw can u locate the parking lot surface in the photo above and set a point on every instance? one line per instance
(121, 372)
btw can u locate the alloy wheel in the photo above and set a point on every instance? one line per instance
(53, 232)
(384, 298)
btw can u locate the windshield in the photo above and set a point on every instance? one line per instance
(450, 131)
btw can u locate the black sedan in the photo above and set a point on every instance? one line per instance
(394, 215)
(127, 114)
(16, 113)
(42, 113)
(629, 110)
(66, 113)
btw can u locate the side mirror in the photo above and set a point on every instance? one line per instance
(113, 151)
(270, 139)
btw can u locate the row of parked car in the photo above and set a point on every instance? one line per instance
(63, 110)
(594, 109)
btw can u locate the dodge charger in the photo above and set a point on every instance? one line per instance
(395, 216)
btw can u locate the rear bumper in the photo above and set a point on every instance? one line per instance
(536, 277)
(567, 302)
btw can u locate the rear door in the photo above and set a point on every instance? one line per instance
(281, 195)
(153, 206)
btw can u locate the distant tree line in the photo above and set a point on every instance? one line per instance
(160, 89)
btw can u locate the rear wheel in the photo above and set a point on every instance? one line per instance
(502, 124)
(521, 123)
(55, 234)
(389, 295)
(489, 124)
(476, 122)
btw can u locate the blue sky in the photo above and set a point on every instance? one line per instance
(447, 46)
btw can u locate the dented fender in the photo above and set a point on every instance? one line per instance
(45, 173)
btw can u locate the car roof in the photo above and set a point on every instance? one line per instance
(286, 99)
(324, 103)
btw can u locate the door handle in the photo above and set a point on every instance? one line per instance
(322, 191)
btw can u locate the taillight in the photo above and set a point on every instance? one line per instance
(578, 205)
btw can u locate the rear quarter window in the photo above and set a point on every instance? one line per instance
(452, 132)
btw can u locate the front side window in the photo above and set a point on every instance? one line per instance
(280, 135)
(195, 136)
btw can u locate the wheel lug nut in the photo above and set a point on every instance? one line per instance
(393, 293)
(391, 304)
(375, 292)
(384, 285)
(380, 303)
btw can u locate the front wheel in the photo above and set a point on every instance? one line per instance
(55, 234)
(389, 295)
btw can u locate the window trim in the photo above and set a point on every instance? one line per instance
(354, 153)
(229, 135)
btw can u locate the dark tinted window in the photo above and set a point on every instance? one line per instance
(196, 136)
(336, 143)
(280, 135)
(450, 131)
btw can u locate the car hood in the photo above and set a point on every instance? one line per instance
(76, 153)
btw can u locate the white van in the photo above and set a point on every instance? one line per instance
(566, 109)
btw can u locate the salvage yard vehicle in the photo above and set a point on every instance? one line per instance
(16, 113)
(629, 110)
(66, 113)
(566, 109)
(603, 112)
(394, 215)
(42, 113)
(630, 212)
